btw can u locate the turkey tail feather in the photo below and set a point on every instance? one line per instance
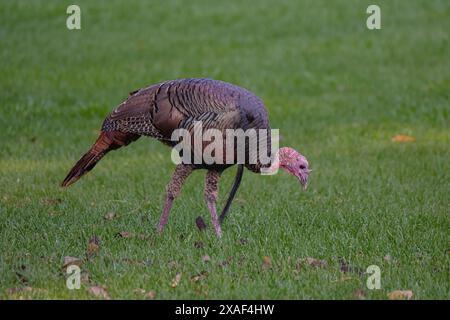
(107, 141)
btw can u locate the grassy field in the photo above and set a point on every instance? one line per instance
(337, 91)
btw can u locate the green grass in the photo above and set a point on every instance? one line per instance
(338, 93)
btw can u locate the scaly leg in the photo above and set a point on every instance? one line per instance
(182, 171)
(211, 192)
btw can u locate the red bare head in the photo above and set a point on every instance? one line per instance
(294, 163)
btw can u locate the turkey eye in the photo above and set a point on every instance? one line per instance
(302, 166)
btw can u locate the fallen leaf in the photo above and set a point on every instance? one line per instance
(199, 244)
(110, 216)
(51, 202)
(200, 276)
(176, 281)
(201, 225)
(125, 234)
(139, 291)
(313, 262)
(99, 291)
(400, 295)
(93, 247)
(359, 294)
(129, 235)
(151, 295)
(403, 138)
(68, 260)
(206, 258)
(346, 268)
(267, 262)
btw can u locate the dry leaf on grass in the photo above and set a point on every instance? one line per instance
(125, 234)
(348, 268)
(200, 276)
(267, 262)
(51, 202)
(129, 235)
(176, 281)
(400, 295)
(359, 294)
(110, 215)
(313, 262)
(150, 295)
(403, 138)
(206, 258)
(99, 291)
(93, 247)
(139, 291)
(68, 261)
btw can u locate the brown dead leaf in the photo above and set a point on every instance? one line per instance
(267, 262)
(68, 260)
(200, 276)
(93, 247)
(348, 268)
(99, 291)
(125, 234)
(129, 235)
(359, 294)
(206, 258)
(139, 291)
(110, 216)
(176, 281)
(403, 138)
(150, 295)
(400, 295)
(52, 202)
(313, 262)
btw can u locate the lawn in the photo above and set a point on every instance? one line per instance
(337, 91)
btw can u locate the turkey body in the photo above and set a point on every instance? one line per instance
(156, 111)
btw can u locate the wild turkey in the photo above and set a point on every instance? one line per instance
(156, 111)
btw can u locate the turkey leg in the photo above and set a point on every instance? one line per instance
(211, 192)
(182, 171)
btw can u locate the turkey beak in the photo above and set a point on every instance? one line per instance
(303, 179)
